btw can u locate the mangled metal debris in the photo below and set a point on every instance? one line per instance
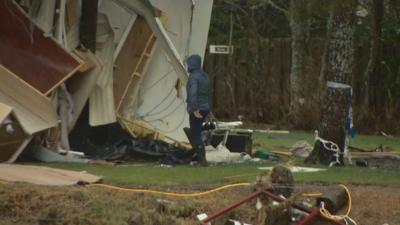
(140, 45)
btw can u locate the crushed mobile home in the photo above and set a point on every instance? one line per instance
(117, 61)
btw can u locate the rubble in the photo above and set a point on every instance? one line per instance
(48, 75)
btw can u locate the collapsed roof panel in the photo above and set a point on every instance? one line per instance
(34, 111)
(131, 65)
(26, 51)
(101, 103)
(162, 105)
(145, 9)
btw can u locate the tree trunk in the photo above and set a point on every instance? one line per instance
(299, 24)
(371, 76)
(338, 68)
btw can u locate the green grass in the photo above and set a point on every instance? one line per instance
(285, 141)
(148, 174)
(151, 174)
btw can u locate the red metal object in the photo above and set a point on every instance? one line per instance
(313, 214)
(309, 218)
(231, 206)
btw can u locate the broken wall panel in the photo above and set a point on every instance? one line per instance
(81, 85)
(101, 102)
(161, 105)
(12, 136)
(26, 51)
(34, 111)
(131, 65)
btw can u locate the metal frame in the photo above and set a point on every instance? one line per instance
(312, 214)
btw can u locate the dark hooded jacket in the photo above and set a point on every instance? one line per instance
(198, 86)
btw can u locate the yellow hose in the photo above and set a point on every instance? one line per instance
(185, 195)
(324, 212)
(196, 194)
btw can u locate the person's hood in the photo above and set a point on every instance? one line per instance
(194, 63)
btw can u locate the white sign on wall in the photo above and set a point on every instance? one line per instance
(221, 49)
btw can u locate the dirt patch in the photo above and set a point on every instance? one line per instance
(24, 204)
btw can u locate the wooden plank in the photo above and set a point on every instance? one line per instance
(34, 111)
(35, 58)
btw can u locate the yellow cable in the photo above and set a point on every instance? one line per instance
(312, 195)
(170, 193)
(324, 212)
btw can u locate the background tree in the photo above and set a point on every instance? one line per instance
(337, 71)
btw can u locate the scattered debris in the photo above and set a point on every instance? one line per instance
(297, 169)
(49, 71)
(301, 149)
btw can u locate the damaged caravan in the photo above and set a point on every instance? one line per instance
(117, 61)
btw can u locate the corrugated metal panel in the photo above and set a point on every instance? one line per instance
(101, 102)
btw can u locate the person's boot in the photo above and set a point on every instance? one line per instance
(201, 155)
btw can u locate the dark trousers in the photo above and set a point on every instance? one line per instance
(196, 126)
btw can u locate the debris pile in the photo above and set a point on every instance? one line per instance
(79, 64)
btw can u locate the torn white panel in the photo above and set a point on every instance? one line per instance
(188, 32)
(45, 17)
(101, 103)
(45, 155)
(297, 169)
(144, 8)
(159, 104)
(119, 18)
(201, 26)
(81, 86)
(33, 110)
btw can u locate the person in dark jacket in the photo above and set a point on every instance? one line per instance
(198, 103)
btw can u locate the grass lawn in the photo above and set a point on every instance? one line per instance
(285, 141)
(150, 174)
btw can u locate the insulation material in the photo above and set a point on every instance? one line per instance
(33, 111)
(101, 103)
(44, 175)
(161, 105)
(27, 52)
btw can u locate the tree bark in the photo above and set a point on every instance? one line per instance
(338, 68)
(299, 24)
(372, 76)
